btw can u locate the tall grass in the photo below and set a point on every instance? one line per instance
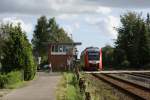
(68, 88)
(11, 79)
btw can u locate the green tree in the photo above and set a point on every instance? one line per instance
(148, 30)
(1, 45)
(57, 34)
(18, 52)
(40, 35)
(107, 56)
(132, 40)
(47, 31)
(3, 38)
(144, 48)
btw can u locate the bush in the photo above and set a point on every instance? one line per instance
(147, 66)
(3, 80)
(30, 66)
(6, 80)
(125, 63)
(68, 89)
(72, 93)
(17, 52)
(14, 77)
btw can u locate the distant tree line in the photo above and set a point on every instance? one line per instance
(132, 46)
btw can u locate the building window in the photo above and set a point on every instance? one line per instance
(64, 48)
(53, 48)
(60, 48)
(56, 48)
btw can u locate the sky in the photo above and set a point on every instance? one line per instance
(91, 22)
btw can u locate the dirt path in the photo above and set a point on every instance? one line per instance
(43, 88)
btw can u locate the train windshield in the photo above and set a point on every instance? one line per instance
(93, 55)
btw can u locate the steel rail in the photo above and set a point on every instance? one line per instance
(130, 87)
(140, 75)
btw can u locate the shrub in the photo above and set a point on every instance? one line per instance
(68, 89)
(6, 80)
(14, 77)
(30, 66)
(17, 52)
(3, 80)
(125, 63)
(147, 66)
(71, 93)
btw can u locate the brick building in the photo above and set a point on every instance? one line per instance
(61, 54)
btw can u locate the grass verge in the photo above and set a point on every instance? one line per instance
(100, 90)
(68, 88)
(11, 81)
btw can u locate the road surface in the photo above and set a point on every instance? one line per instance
(43, 88)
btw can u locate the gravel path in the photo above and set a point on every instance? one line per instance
(43, 88)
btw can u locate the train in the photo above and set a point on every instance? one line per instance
(91, 59)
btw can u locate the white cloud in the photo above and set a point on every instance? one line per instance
(56, 7)
(104, 24)
(92, 19)
(76, 25)
(66, 16)
(27, 27)
(103, 10)
(70, 28)
(111, 23)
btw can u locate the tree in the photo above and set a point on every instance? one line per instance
(3, 38)
(144, 48)
(57, 34)
(46, 32)
(133, 40)
(126, 37)
(18, 52)
(40, 35)
(148, 30)
(107, 56)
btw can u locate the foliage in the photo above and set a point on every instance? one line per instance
(17, 52)
(7, 80)
(132, 44)
(144, 50)
(68, 88)
(47, 31)
(57, 34)
(40, 35)
(125, 63)
(3, 38)
(107, 56)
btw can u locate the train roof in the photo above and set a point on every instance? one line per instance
(90, 49)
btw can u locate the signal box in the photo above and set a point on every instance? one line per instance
(62, 55)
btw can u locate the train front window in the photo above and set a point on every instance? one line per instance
(93, 55)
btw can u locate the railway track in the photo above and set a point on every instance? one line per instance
(143, 81)
(130, 87)
(141, 75)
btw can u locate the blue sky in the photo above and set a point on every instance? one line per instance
(91, 22)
